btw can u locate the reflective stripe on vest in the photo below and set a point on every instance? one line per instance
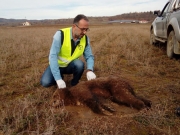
(65, 57)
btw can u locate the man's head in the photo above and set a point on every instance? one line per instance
(79, 17)
(80, 26)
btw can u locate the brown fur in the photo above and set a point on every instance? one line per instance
(91, 92)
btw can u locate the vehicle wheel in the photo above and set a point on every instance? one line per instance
(170, 44)
(152, 37)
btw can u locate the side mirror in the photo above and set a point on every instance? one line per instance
(157, 12)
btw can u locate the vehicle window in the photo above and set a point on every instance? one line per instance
(177, 4)
(165, 10)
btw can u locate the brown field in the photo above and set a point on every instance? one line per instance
(119, 49)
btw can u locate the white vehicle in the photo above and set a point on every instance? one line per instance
(166, 27)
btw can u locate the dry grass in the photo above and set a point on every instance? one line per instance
(119, 49)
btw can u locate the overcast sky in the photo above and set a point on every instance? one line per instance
(58, 9)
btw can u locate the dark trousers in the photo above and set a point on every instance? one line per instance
(76, 68)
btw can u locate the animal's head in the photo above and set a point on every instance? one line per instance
(57, 100)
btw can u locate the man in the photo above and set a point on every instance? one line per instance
(67, 46)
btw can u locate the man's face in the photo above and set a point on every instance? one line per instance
(81, 28)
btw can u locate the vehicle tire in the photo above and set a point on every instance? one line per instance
(152, 37)
(170, 44)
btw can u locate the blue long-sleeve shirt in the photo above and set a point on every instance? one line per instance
(55, 49)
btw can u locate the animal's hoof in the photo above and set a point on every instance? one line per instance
(105, 112)
(108, 107)
(111, 109)
(148, 104)
(178, 111)
(78, 103)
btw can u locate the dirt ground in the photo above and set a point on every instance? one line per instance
(119, 49)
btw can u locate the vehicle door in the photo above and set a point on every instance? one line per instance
(161, 21)
(175, 12)
(178, 13)
(175, 16)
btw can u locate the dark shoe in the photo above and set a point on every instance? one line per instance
(178, 111)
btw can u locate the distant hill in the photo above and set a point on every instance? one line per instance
(149, 16)
(101, 19)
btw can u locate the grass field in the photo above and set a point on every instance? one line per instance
(119, 49)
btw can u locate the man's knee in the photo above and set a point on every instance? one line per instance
(79, 64)
(45, 83)
(47, 78)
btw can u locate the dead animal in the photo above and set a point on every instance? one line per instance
(91, 92)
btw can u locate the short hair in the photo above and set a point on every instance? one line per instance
(79, 17)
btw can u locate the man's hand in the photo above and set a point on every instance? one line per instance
(61, 84)
(90, 75)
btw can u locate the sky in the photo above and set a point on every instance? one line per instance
(62, 9)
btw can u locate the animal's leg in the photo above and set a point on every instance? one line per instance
(128, 99)
(105, 104)
(146, 102)
(94, 105)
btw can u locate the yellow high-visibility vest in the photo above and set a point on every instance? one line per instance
(64, 56)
